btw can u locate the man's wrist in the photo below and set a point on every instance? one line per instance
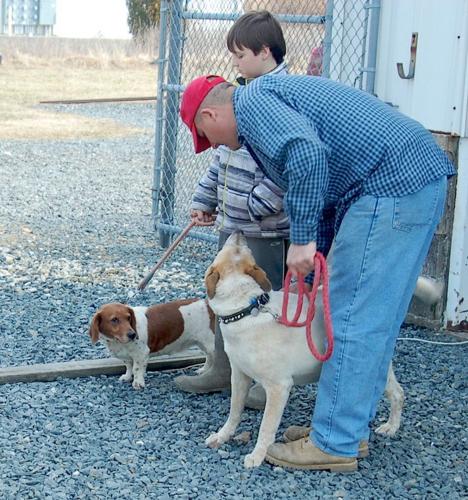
(303, 234)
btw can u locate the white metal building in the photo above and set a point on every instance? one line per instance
(437, 96)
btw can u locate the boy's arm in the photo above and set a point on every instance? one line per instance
(265, 199)
(205, 197)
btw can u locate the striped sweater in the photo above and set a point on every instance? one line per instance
(245, 198)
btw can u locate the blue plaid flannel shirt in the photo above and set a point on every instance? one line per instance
(327, 144)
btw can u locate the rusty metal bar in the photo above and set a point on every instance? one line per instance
(103, 99)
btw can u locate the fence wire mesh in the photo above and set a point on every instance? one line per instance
(336, 39)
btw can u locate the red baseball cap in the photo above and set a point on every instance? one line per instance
(193, 96)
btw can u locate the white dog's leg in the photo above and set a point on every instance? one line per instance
(276, 399)
(139, 371)
(127, 376)
(396, 396)
(240, 384)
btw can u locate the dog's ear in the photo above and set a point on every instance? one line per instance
(132, 318)
(211, 280)
(259, 275)
(94, 327)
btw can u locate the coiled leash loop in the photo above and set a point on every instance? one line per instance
(320, 275)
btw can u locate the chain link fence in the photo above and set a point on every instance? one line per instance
(332, 38)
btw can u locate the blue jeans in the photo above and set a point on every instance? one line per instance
(378, 255)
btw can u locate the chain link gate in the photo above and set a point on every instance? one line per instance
(332, 38)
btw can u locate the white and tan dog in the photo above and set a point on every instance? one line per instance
(132, 334)
(266, 351)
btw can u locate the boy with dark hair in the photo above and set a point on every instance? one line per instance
(235, 185)
(255, 31)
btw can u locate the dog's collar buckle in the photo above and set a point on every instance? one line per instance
(256, 304)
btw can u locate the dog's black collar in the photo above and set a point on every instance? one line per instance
(253, 309)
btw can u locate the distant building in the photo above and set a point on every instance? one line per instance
(27, 17)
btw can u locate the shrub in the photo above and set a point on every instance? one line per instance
(143, 15)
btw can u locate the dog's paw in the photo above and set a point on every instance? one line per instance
(125, 378)
(387, 429)
(138, 384)
(214, 440)
(253, 460)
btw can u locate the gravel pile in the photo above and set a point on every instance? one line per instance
(75, 232)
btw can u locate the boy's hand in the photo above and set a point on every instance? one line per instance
(300, 258)
(202, 218)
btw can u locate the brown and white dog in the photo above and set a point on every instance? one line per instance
(262, 349)
(132, 334)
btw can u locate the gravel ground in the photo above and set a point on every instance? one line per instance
(75, 232)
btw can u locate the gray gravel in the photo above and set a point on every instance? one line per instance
(75, 232)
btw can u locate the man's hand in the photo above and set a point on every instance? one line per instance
(202, 218)
(300, 258)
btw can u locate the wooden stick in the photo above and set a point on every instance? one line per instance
(168, 252)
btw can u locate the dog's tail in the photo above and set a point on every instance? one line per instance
(428, 290)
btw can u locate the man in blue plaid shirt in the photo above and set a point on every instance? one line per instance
(341, 156)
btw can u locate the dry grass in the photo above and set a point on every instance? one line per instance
(43, 51)
(41, 69)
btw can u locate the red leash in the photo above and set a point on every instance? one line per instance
(321, 274)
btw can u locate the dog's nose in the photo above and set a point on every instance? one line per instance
(132, 335)
(240, 238)
(237, 238)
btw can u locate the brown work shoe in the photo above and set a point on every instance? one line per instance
(295, 432)
(302, 454)
(256, 398)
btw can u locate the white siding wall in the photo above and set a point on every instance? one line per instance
(437, 96)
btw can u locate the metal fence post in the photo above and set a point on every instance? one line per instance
(172, 120)
(158, 132)
(372, 47)
(327, 40)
